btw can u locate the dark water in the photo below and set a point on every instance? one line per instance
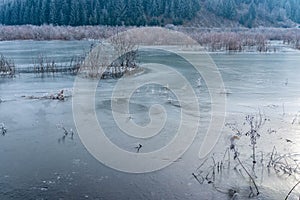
(35, 163)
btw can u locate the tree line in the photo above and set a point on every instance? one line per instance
(249, 12)
(98, 12)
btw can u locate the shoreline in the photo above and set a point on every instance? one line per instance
(272, 46)
(51, 64)
(215, 39)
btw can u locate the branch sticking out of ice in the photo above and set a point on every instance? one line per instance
(61, 96)
(67, 133)
(3, 129)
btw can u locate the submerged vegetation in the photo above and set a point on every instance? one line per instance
(232, 168)
(242, 39)
(62, 95)
(43, 64)
(3, 129)
(94, 64)
(7, 67)
(255, 123)
(66, 133)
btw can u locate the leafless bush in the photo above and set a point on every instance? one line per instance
(112, 59)
(50, 32)
(7, 67)
(297, 41)
(43, 64)
(75, 64)
(237, 39)
(261, 43)
(126, 50)
(242, 39)
(96, 62)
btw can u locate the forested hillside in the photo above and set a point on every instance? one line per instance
(248, 13)
(93, 12)
(253, 13)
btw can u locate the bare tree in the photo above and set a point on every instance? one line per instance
(126, 50)
(97, 62)
(111, 58)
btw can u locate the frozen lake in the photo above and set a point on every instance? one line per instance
(35, 163)
(24, 53)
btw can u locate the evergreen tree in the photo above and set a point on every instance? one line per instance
(288, 9)
(106, 12)
(45, 12)
(229, 9)
(83, 13)
(64, 14)
(74, 13)
(14, 14)
(135, 14)
(54, 13)
(249, 18)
